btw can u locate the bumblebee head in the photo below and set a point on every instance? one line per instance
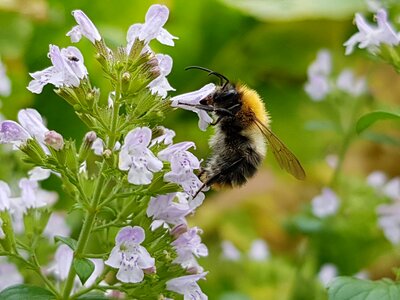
(225, 96)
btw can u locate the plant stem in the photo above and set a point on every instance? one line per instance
(91, 213)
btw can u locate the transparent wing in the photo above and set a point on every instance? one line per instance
(283, 155)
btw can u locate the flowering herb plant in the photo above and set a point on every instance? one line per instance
(132, 184)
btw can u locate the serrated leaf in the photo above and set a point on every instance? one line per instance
(367, 120)
(24, 291)
(84, 268)
(70, 242)
(348, 288)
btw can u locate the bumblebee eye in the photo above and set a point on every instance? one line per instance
(227, 95)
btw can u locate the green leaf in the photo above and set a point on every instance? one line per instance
(348, 288)
(24, 291)
(84, 268)
(297, 9)
(70, 242)
(367, 120)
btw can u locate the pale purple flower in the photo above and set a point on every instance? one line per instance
(392, 189)
(182, 165)
(165, 138)
(347, 82)
(9, 275)
(98, 146)
(13, 133)
(156, 17)
(62, 262)
(2, 234)
(56, 226)
(168, 209)
(259, 250)
(5, 83)
(32, 121)
(32, 196)
(85, 27)
(67, 70)
(325, 204)
(377, 179)
(229, 251)
(318, 85)
(188, 246)
(39, 174)
(137, 158)
(160, 85)
(327, 273)
(5, 196)
(332, 160)
(194, 98)
(187, 286)
(370, 36)
(129, 256)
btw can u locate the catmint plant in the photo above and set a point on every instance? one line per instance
(133, 186)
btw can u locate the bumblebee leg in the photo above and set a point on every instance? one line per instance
(211, 180)
(209, 108)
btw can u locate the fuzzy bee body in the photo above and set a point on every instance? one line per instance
(238, 148)
(241, 134)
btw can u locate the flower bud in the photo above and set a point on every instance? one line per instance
(178, 230)
(151, 270)
(54, 140)
(88, 141)
(126, 81)
(107, 153)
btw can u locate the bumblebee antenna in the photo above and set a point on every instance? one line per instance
(211, 72)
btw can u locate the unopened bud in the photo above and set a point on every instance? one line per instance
(87, 144)
(154, 67)
(126, 76)
(151, 270)
(54, 140)
(178, 230)
(107, 153)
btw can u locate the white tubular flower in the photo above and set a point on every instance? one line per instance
(194, 98)
(67, 70)
(5, 196)
(325, 204)
(318, 85)
(9, 275)
(129, 256)
(2, 234)
(347, 82)
(370, 36)
(156, 17)
(160, 85)
(187, 286)
(137, 158)
(259, 250)
(229, 251)
(39, 174)
(85, 27)
(327, 273)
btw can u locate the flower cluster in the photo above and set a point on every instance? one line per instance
(372, 37)
(388, 214)
(326, 204)
(320, 82)
(259, 251)
(126, 174)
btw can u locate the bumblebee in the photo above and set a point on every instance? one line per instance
(242, 130)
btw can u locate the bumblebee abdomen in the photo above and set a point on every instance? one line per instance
(235, 159)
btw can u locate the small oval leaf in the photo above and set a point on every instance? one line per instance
(84, 268)
(70, 242)
(25, 291)
(348, 288)
(367, 120)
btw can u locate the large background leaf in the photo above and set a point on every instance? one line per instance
(24, 291)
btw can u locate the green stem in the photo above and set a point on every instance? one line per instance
(91, 213)
(48, 283)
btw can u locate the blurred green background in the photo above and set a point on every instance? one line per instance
(268, 45)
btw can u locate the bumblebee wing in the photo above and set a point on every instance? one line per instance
(286, 159)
